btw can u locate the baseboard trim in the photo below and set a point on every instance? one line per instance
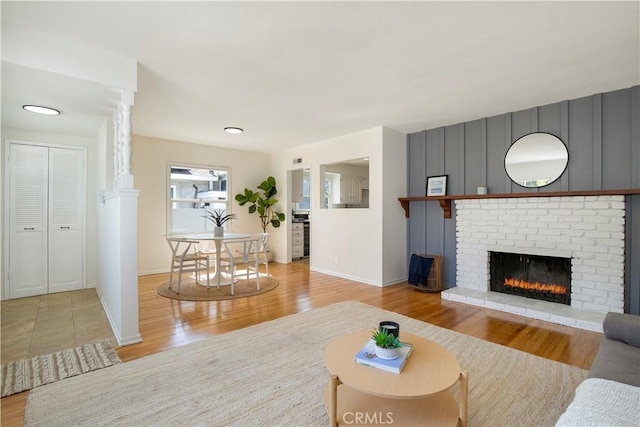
(121, 341)
(149, 272)
(129, 340)
(394, 281)
(345, 276)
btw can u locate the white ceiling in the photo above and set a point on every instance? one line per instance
(292, 73)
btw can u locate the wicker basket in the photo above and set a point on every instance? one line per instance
(433, 283)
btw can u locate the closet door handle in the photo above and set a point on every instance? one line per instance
(64, 228)
(29, 228)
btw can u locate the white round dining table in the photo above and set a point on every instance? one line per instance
(218, 240)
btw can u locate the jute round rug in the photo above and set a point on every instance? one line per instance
(191, 291)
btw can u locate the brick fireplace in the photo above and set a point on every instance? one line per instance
(588, 230)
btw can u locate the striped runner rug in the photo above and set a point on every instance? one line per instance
(25, 374)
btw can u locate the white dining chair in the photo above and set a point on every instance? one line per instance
(185, 258)
(261, 255)
(236, 253)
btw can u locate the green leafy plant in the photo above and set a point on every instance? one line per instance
(263, 202)
(218, 217)
(384, 339)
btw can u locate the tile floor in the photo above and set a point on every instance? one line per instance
(42, 324)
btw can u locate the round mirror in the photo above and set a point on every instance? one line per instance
(536, 160)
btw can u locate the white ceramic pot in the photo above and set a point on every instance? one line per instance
(387, 353)
(218, 231)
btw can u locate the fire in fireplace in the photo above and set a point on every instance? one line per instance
(531, 276)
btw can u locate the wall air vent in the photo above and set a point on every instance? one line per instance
(297, 161)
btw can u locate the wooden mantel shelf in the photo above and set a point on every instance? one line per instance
(445, 201)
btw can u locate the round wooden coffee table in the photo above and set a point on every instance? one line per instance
(419, 395)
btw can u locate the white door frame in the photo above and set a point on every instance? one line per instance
(289, 203)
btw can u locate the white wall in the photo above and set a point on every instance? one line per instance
(150, 159)
(107, 271)
(394, 181)
(349, 242)
(3, 239)
(92, 192)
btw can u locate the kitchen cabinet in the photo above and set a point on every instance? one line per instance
(350, 189)
(297, 240)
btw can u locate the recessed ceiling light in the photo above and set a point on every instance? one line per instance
(41, 110)
(231, 129)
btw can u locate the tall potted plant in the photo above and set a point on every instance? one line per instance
(263, 202)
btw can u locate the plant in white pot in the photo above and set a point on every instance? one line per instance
(218, 217)
(387, 344)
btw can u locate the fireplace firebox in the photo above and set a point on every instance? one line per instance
(532, 276)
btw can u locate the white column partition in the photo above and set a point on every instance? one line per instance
(118, 289)
(116, 148)
(126, 178)
(123, 147)
(119, 293)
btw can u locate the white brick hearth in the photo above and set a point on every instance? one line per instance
(587, 229)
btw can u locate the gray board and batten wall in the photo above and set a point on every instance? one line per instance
(601, 132)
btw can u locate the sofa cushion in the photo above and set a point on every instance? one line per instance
(601, 402)
(622, 327)
(617, 361)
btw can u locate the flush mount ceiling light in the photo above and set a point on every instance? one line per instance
(231, 129)
(38, 109)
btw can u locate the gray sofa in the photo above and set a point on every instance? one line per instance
(618, 358)
(610, 396)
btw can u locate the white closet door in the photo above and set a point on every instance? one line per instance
(66, 207)
(28, 169)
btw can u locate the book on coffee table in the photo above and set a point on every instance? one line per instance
(367, 356)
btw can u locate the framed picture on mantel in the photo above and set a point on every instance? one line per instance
(437, 185)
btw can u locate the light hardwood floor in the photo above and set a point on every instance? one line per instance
(166, 323)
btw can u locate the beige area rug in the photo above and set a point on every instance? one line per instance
(191, 291)
(25, 374)
(274, 374)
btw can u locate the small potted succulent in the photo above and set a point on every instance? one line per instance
(218, 217)
(387, 344)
